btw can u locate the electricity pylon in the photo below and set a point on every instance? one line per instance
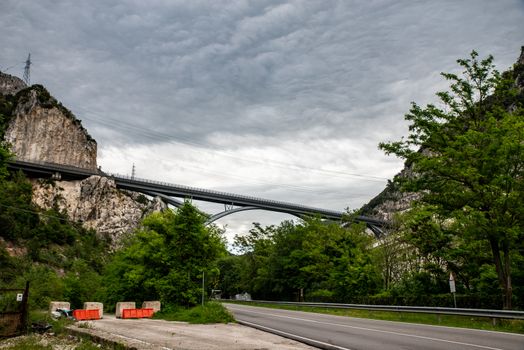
(27, 73)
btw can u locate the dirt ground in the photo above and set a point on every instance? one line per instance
(49, 341)
(166, 335)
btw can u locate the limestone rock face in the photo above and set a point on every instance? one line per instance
(10, 85)
(42, 130)
(97, 203)
(391, 200)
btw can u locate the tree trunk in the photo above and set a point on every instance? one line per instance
(502, 272)
(508, 292)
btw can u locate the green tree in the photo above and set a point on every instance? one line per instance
(312, 259)
(468, 159)
(256, 247)
(165, 259)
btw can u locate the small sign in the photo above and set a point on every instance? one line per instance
(452, 283)
(19, 297)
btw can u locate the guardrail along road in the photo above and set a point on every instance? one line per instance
(348, 333)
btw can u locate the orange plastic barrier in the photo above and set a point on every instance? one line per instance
(82, 315)
(137, 313)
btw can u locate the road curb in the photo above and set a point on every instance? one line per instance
(98, 339)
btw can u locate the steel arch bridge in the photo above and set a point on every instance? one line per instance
(169, 193)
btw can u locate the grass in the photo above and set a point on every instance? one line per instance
(211, 312)
(56, 338)
(42, 316)
(48, 342)
(24, 343)
(484, 323)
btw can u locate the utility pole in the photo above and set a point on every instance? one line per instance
(27, 73)
(133, 172)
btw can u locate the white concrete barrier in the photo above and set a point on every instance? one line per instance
(91, 305)
(123, 305)
(155, 305)
(59, 305)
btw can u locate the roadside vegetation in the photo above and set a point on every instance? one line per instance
(56, 338)
(210, 312)
(52, 342)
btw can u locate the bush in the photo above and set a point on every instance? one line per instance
(211, 312)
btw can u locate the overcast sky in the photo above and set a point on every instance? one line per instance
(284, 100)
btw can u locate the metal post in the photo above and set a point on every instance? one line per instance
(452, 288)
(24, 309)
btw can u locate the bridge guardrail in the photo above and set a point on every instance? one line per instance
(494, 314)
(236, 198)
(135, 183)
(195, 189)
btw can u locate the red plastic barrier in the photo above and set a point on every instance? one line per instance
(93, 314)
(147, 313)
(137, 313)
(82, 315)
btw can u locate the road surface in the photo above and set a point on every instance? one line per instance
(341, 333)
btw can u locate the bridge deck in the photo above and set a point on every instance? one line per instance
(181, 191)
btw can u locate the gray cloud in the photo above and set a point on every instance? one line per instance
(314, 84)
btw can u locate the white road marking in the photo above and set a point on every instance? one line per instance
(374, 330)
(293, 336)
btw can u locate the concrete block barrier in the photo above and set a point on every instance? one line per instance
(91, 305)
(123, 305)
(155, 305)
(54, 305)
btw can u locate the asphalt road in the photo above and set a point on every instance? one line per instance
(348, 333)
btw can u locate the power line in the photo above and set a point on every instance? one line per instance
(14, 65)
(36, 212)
(151, 134)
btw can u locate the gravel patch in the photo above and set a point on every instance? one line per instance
(149, 334)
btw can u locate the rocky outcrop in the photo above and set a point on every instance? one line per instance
(10, 85)
(41, 129)
(391, 200)
(97, 203)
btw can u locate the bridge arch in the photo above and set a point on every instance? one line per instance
(230, 211)
(375, 227)
(169, 200)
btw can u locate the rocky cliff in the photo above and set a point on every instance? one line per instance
(39, 128)
(97, 203)
(390, 201)
(10, 85)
